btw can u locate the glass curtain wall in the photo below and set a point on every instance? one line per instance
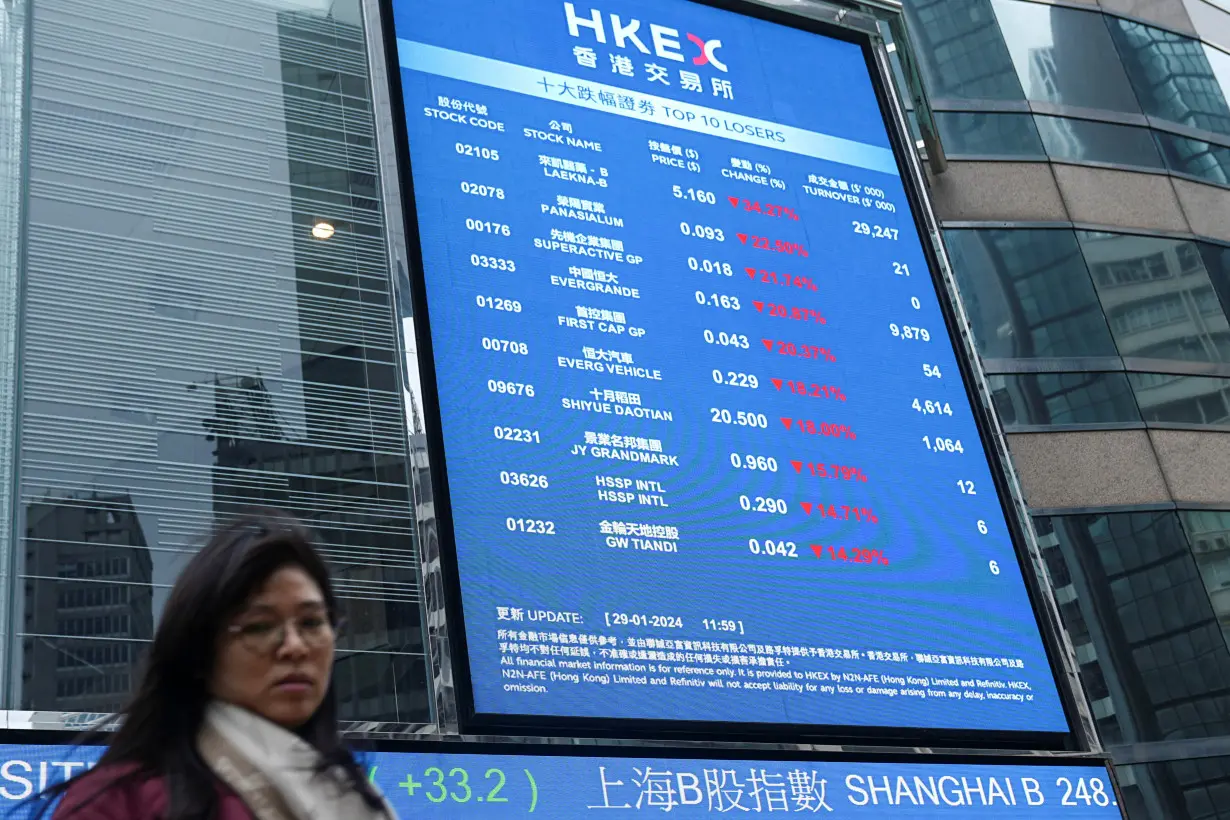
(208, 325)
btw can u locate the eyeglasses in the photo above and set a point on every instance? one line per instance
(265, 637)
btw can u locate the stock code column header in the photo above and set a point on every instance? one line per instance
(710, 455)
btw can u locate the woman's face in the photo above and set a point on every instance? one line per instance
(276, 655)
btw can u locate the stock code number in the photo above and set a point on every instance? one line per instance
(478, 260)
(781, 549)
(482, 190)
(523, 435)
(533, 526)
(483, 226)
(777, 506)
(498, 303)
(739, 418)
(478, 151)
(533, 480)
(510, 388)
(505, 346)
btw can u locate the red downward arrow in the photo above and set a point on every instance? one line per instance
(818, 550)
(798, 466)
(768, 344)
(806, 505)
(787, 422)
(759, 306)
(734, 201)
(742, 237)
(751, 273)
(777, 383)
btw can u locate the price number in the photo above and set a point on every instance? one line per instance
(763, 504)
(702, 231)
(909, 332)
(732, 378)
(769, 547)
(718, 300)
(483, 226)
(932, 408)
(478, 151)
(694, 195)
(943, 445)
(739, 418)
(764, 464)
(510, 388)
(710, 266)
(727, 339)
(489, 191)
(498, 303)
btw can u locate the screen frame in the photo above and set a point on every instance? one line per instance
(989, 434)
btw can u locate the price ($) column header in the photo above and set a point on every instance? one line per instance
(710, 455)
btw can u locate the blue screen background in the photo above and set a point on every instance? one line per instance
(950, 604)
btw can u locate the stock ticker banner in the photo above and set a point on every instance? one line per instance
(710, 454)
(464, 786)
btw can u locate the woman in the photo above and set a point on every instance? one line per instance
(236, 717)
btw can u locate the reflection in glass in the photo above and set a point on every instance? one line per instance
(1090, 141)
(1217, 263)
(1206, 160)
(982, 134)
(1164, 397)
(961, 50)
(1064, 56)
(1158, 297)
(1209, 532)
(1172, 75)
(1028, 294)
(175, 373)
(1196, 789)
(1153, 661)
(1032, 399)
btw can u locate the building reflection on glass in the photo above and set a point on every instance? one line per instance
(88, 603)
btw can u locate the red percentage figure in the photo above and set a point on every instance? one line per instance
(855, 555)
(798, 314)
(766, 209)
(844, 512)
(810, 428)
(840, 472)
(815, 391)
(786, 280)
(764, 243)
(802, 351)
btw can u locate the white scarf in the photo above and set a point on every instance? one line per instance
(274, 770)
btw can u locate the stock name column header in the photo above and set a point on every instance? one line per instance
(710, 456)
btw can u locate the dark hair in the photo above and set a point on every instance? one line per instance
(158, 734)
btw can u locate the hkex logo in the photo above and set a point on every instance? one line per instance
(665, 40)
